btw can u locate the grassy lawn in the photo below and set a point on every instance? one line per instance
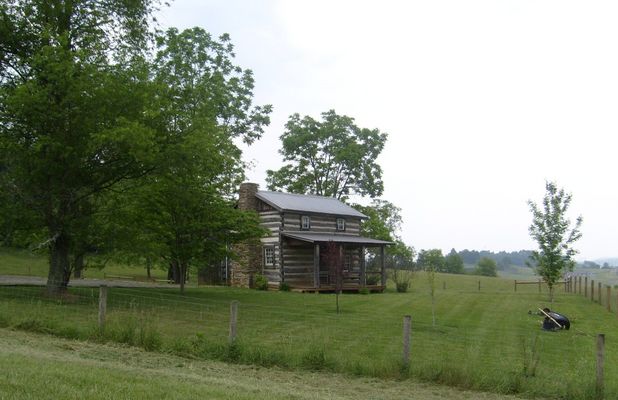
(24, 262)
(482, 339)
(48, 367)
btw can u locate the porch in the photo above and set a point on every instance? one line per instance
(317, 262)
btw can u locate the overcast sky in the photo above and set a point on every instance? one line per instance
(483, 101)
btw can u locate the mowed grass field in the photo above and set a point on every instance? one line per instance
(484, 340)
(44, 367)
(24, 262)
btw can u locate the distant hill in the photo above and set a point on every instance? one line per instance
(611, 261)
(504, 259)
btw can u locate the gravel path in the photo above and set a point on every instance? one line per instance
(17, 280)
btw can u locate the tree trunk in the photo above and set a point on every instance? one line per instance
(183, 275)
(148, 267)
(173, 273)
(59, 266)
(78, 266)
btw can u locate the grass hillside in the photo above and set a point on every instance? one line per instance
(24, 262)
(48, 367)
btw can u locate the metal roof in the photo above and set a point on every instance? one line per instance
(329, 237)
(307, 203)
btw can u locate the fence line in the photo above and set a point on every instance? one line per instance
(276, 327)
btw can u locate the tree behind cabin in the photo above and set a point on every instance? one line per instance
(332, 158)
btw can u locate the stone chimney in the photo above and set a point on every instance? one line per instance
(249, 261)
(246, 196)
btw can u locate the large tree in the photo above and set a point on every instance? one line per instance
(182, 214)
(332, 157)
(72, 123)
(554, 234)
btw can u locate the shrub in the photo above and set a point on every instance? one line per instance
(284, 287)
(402, 279)
(402, 287)
(372, 279)
(486, 267)
(363, 290)
(261, 283)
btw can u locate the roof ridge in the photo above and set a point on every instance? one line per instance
(301, 195)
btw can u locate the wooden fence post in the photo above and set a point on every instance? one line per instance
(479, 285)
(407, 328)
(586, 286)
(539, 286)
(102, 306)
(609, 298)
(443, 285)
(233, 321)
(579, 284)
(600, 364)
(515, 285)
(592, 289)
(600, 286)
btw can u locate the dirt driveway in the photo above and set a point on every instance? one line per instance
(17, 280)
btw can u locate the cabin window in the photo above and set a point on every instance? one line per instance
(305, 222)
(340, 224)
(347, 262)
(269, 256)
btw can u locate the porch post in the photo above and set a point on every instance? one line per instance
(316, 266)
(382, 265)
(363, 281)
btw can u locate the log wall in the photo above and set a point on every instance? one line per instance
(322, 224)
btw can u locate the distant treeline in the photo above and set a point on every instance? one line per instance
(503, 259)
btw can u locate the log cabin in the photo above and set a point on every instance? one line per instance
(301, 229)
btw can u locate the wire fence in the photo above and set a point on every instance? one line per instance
(478, 350)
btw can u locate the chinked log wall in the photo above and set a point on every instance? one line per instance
(271, 220)
(295, 258)
(321, 224)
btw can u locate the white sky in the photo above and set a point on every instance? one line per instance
(483, 101)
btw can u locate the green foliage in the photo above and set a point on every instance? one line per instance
(384, 220)
(552, 231)
(384, 223)
(105, 147)
(332, 158)
(453, 263)
(402, 279)
(73, 85)
(362, 291)
(372, 279)
(431, 260)
(486, 267)
(284, 287)
(261, 282)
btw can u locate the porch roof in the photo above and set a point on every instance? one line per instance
(329, 237)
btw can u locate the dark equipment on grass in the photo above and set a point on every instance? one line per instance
(554, 320)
